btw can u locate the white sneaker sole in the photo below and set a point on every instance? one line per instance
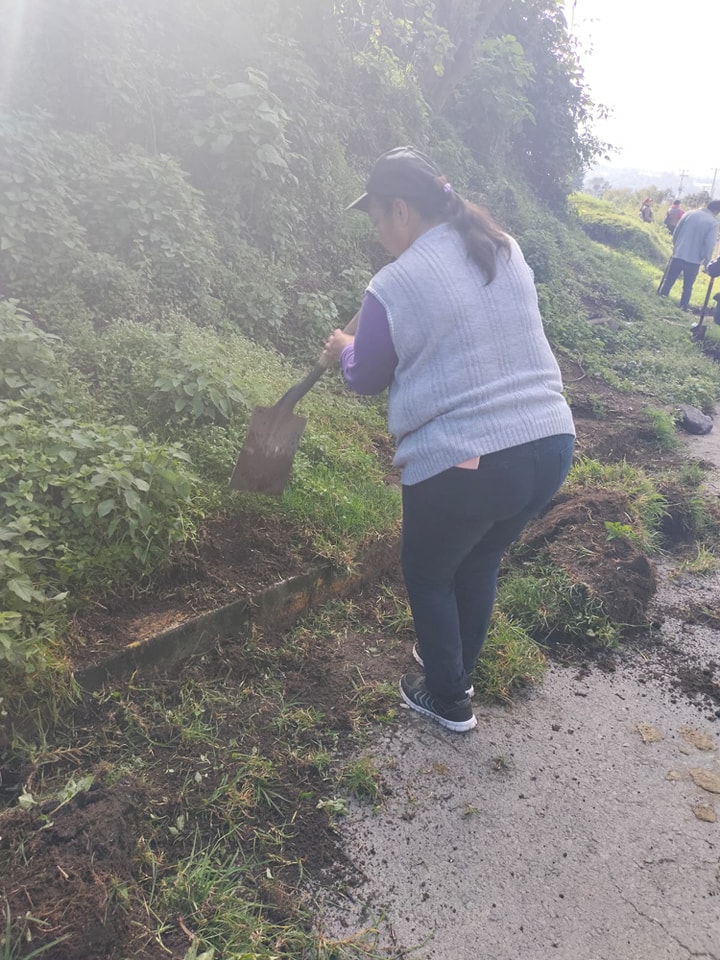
(457, 726)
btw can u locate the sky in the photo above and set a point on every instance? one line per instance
(656, 65)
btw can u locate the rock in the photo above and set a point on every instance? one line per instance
(649, 733)
(697, 738)
(694, 420)
(705, 811)
(706, 779)
(610, 322)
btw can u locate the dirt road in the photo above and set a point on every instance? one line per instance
(580, 823)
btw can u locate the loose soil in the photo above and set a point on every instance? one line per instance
(71, 865)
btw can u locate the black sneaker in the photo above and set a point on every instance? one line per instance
(418, 659)
(457, 715)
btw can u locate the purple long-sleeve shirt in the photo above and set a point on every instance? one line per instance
(369, 363)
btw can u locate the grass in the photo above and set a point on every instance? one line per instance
(231, 763)
(546, 604)
(251, 746)
(510, 660)
(645, 504)
(16, 939)
(665, 428)
(233, 768)
(362, 779)
(704, 563)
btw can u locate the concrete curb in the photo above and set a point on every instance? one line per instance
(276, 606)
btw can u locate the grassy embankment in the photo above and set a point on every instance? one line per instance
(233, 760)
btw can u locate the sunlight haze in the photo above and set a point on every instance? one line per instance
(656, 71)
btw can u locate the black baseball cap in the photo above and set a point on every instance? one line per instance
(402, 172)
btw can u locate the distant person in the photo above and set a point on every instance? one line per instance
(646, 211)
(694, 240)
(672, 217)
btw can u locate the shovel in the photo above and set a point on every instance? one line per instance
(273, 436)
(698, 330)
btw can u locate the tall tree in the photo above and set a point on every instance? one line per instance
(467, 25)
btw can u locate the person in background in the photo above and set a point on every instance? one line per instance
(646, 211)
(672, 216)
(484, 437)
(694, 240)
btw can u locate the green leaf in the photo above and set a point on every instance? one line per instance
(105, 507)
(23, 588)
(132, 499)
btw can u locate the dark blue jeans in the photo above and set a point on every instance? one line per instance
(689, 273)
(456, 527)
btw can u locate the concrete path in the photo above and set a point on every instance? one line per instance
(579, 824)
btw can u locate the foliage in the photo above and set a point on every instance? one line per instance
(510, 660)
(111, 505)
(29, 362)
(85, 506)
(556, 142)
(163, 378)
(115, 232)
(173, 180)
(548, 605)
(491, 105)
(646, 505)
(618, 230)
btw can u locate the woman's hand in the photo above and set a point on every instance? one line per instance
(336, 343)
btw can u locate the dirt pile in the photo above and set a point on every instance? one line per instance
(76, 858)
(574, 537)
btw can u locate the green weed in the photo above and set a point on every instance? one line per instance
(510, 659)
(704, 563)
(665, 429)
(646, 505)
(374, 702)
(16, 940)
(547, 604)
(362, 779)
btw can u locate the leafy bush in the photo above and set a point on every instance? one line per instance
(113, 503)
(91, 505)
(86, 507)
(542, 252)
(29, 363)
(116, 231)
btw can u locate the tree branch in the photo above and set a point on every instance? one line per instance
(462, 62)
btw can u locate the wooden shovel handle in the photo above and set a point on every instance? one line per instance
(295, 393)
(325, 361)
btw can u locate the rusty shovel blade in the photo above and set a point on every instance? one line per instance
(273, 436)
(266, 459)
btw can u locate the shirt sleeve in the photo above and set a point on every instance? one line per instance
(368, 364)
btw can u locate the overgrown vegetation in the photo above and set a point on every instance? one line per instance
(158, 248)
(173, 251)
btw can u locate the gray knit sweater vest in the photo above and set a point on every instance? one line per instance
(475, 371)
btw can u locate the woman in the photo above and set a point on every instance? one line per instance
(484, 436)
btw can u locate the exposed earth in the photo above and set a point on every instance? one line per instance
(581, 821)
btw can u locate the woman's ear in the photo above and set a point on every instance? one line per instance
(401, 211)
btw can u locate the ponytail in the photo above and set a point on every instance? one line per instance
(483, 237)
